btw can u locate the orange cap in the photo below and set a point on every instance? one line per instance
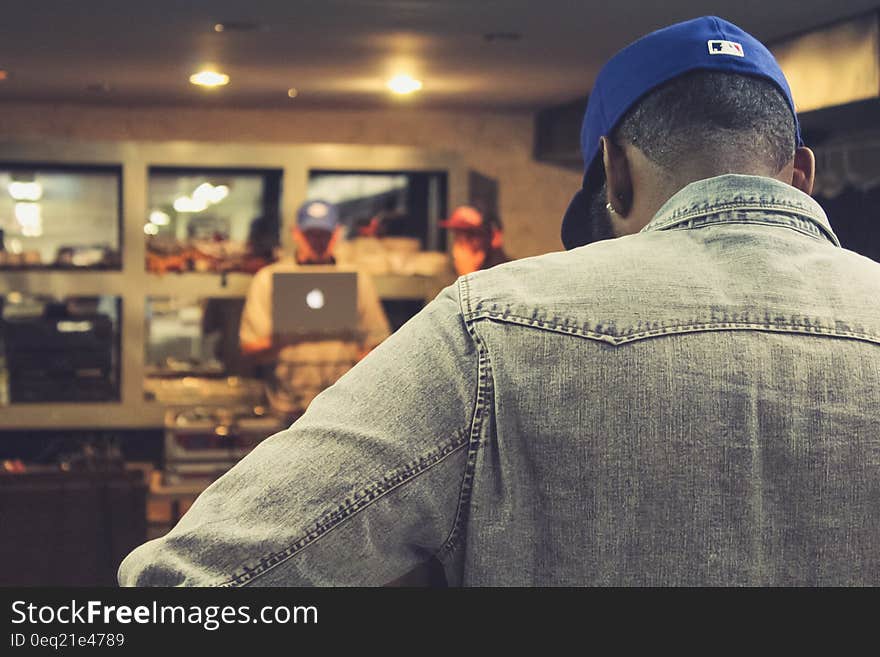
(464, 218)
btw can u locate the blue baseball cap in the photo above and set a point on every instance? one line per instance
(708, 43)
(317, 214)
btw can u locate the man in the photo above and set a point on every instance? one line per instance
(477, 241)
(302, 369)
(694, 403)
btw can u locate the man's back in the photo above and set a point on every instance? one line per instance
(692, 405)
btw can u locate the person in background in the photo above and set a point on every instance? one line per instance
(477, 240)
(299, 371)
(260, 247)
(64, 257)
(221, 316)
(693, 403)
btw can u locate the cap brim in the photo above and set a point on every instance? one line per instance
(576, 221)
(317, 224)
(453, 225)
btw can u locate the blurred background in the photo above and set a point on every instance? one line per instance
(152, 159)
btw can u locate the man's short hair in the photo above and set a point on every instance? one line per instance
(731, 118)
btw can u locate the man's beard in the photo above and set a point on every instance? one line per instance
(599, 217)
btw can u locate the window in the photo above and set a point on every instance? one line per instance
(60, 217)
(386, 204)
(194, 337)
(193, 356)
(212, 220)
(59, 350)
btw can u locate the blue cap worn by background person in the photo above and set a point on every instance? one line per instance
(317, 214)
(707, 43)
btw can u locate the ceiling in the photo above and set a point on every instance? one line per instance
(339, 53)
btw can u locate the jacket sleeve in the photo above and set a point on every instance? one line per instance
(256, 316)
(360, 490)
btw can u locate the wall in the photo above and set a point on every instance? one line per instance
(533, 196)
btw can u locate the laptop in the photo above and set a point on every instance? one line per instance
(314, 305)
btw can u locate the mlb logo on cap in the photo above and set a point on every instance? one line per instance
(719, 47)
(317, 214)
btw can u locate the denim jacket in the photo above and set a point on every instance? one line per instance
(696, 404)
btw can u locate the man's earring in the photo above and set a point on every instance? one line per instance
(610, 208)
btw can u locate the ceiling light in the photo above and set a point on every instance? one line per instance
(159, 218)
(151, 229)
(25, 191)
(404, 84)
(209, 79)
(218, 193)
(238, 26)
(292, 92)
(202, 194)
(187, 204)
(28, 215)
(29, 218)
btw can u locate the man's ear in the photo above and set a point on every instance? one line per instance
(617, 177)
(334, 239)
(804, 174)
(497, 239)
(303, 249)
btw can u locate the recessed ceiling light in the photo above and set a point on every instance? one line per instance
(237, 26)
(218, 193)
(404, 84)
(209, 78)
(159, 218)
(292, 92)
(188, 204)
(22, 190)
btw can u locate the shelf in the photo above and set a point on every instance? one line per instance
(132, 284)
(137, 415)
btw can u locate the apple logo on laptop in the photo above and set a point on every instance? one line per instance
(315, 299)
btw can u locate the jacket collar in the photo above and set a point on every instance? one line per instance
(733, 196)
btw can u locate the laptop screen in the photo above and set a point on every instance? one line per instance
(314, 305)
